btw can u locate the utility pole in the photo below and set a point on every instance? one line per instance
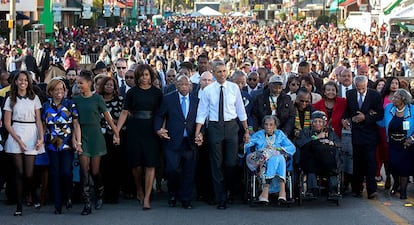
(12, 21)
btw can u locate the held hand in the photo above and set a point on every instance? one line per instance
(38, 144)
(199, 139)
(246, 137)
(116, 140)
(163, 133)
(79, 150)
(358, 118)
(346, 124)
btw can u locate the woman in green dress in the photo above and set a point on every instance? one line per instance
(91, 108)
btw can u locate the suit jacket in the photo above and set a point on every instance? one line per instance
(175, 122)
(285, 111)
(365, 132)
(340, 88)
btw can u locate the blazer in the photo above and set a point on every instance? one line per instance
(364, 132)
(337, 112)
(175, 122)
(285, 111)
(389, 113)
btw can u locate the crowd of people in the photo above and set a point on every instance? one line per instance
(186, 101)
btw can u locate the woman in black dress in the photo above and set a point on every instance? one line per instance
(141, 103)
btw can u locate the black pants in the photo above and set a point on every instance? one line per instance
(223, 143)
(364, 165)
(180, 171)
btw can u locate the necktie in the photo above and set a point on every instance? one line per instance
(221, 105)
(360, 101)
(184, 109)
(123, 87)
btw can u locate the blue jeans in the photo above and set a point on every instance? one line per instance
(61, 175)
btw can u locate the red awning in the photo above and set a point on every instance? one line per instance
(348, 3)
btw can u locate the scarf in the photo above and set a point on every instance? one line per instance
(306, 122)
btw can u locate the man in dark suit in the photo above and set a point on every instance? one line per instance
(364, 109)
(179, 110)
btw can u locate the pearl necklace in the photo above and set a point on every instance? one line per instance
(400, 110)
(270, 140)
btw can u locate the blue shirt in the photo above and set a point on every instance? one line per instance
(59, 124)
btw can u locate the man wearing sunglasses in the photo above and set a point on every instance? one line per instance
(119, 75)
(252, 82)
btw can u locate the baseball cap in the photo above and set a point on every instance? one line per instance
(276, 79)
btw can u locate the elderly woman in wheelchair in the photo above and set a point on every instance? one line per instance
(319, 154)
(266, 153)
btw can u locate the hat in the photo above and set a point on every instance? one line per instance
(100, 65)
(276, 79)
(318, 115)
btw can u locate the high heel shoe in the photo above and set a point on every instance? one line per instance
(86, 210)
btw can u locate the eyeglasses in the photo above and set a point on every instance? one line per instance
(129, 77)
(121, 67)
(170, 75)
(304, 101)
(252, 79)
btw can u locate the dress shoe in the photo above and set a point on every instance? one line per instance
(357, 195)
(264, 200)
(187, 205)
(19, 210)
(222, 205)
(403, 196)
(281, 200)
(146, 208)
(36, 205)
(58, 211)
(172, 202)
(69, 204)
(86, 210)
(98, 204)
(373, 195)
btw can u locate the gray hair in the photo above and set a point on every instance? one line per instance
(217, 63)
(237, 73)
(406, 97)
(360, 79)
(271, 117)
(182, 77)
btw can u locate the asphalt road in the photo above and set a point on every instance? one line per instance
(358, 211)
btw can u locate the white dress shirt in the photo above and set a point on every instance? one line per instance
(233, 106)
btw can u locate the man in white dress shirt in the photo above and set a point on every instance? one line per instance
(222, 103)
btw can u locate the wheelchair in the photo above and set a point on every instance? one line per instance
(253, 186)
(323, 176)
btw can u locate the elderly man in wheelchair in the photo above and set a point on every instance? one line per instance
(266, 155)
(319, 154)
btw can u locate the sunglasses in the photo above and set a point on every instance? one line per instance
(121, 67)
(170, 75)
(294, 84)
(129, 77)
(252, 79)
